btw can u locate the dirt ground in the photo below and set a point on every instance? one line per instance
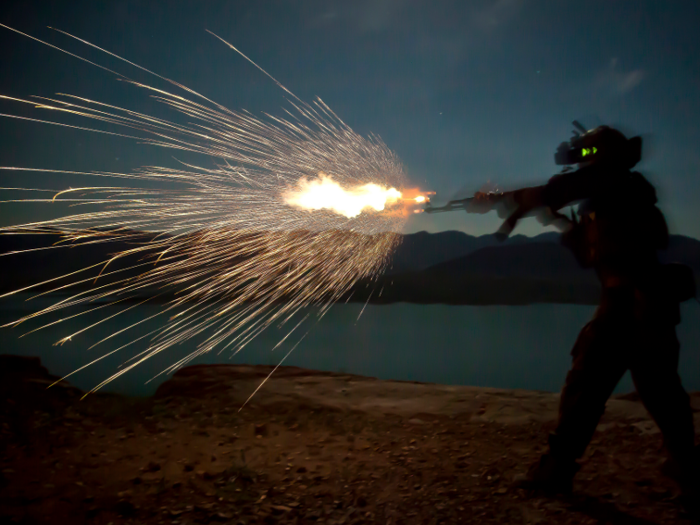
(311, 447)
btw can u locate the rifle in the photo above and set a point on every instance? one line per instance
(481, 202)
(511, 206)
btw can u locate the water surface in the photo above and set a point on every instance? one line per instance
(496, 346)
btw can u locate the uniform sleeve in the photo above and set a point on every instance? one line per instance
(561, 190)
(567, 188)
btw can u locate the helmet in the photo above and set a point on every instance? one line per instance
(599, 145)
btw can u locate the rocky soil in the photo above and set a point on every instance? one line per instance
(311, 447)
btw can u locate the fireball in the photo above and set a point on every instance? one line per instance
(325, 193)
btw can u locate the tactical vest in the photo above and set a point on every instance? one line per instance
(620, 228)
(619, 234)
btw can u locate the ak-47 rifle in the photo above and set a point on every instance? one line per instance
(481, 202)
(511, 206)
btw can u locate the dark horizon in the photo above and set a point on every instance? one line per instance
(449, 267)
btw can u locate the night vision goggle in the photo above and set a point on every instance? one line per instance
(589, 145)
(568, 154)
(574, 152)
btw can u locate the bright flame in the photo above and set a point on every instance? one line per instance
(324, 193)
(420, 198)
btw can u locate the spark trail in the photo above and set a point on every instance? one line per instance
(233, 248)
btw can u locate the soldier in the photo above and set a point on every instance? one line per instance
(619, 234)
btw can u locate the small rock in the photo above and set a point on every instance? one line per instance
(153, 467)
(260, 429)
(125, 508)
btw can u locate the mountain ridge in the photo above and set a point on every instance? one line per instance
(448, 267)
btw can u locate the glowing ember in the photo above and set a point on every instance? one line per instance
(325, 193)
(230, 257)
(235, 250)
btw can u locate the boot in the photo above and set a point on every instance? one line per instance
(687, 475)
(689, 501)
(551, 474)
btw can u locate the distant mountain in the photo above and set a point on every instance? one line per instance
(521, 270)
(683, 249)
(421, 250)
(447, 267)
(544, 260)
(41, 257)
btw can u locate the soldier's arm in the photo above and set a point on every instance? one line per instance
(560, 191)
(567, 188)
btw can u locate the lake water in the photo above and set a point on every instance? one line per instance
(496, 346)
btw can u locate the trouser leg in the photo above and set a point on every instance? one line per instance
(598, 365)
(597, 368)
(655, 375)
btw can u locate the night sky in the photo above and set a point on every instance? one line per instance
(463, 91)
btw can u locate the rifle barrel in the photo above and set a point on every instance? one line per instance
(450, 206)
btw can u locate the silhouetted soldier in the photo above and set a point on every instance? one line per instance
(619, 234)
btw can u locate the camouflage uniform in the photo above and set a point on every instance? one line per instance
(619, 234)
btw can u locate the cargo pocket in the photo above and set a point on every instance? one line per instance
(584, 339)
